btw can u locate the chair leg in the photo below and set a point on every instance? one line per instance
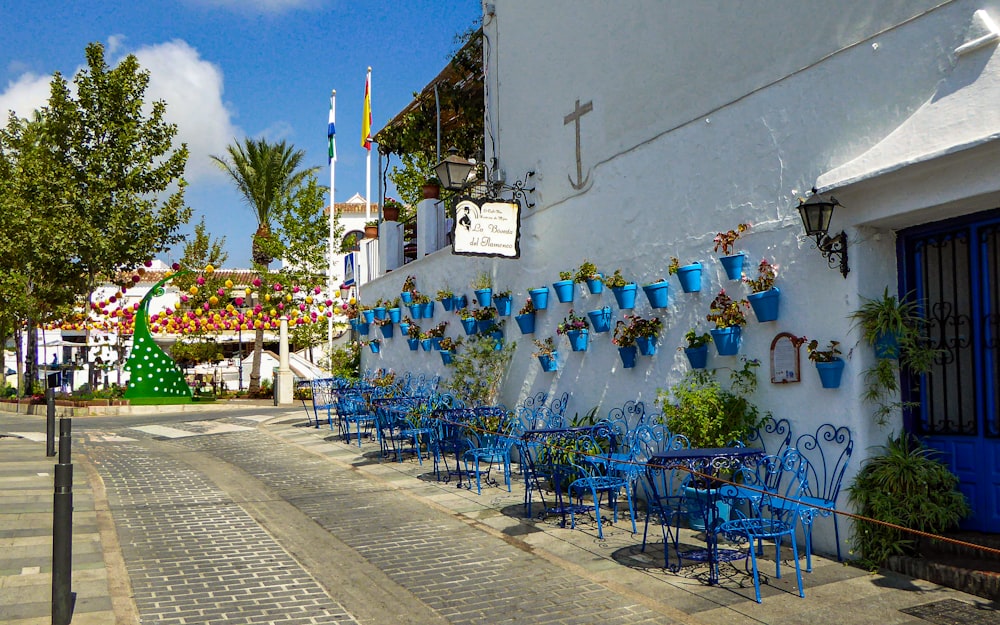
(756, 575)
(807, 531)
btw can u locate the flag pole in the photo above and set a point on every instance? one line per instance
(331, 134)
(368, 145)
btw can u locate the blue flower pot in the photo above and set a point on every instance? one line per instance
(601, 319)
(428, 310)
(830, 373)
(404, 328)
(503, 304)
(363, 328)
(425, 344)
(374, 346)
(482, 325)
(549, 363)
(484, 297)
(698, 502)
(386, 330)
(539, 297)
(697, 356)
(627, 355)
(733, 265)
(355, 322)
(765, 304)
(657, 293)
(526, 323)
(436, 343)
(406, 297)
(497, 340)
(595, 285)
(727, 340)
(447, 303)
(646, 345)
(446, 357)
(379, 312)
(416, 311)
(887, 345)
(469, 325)
(414, 344)
(690, 277)
(394, 315)
(578, 340)
(625, 296)
(564, 290)
(368, 315)
(458, 302)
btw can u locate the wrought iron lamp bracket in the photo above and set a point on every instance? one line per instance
(834, 250)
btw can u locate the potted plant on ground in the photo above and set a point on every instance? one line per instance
(525, 317)
(624, 290)
(575, 327)
(828, 362)
(729, 319)
(564, 287)
(697, 348)
(688, 275)
(624, 340)
(764, 296)
(587, 272)
(724, 243)
(547, 354)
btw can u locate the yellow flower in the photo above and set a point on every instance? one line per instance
(209, 268)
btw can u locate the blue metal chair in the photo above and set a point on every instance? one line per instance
(827, 453)
(601, 471)
(492, 436)
(765, 515)
(321, 400)
(663, 488)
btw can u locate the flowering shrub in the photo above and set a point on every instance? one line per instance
(528, 308)
(616, 281)
(572, 322)
(726, 313)
(766, 273)
(632, 327)
(724, 241)
(438, 330)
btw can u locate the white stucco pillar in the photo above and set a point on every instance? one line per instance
(283, 385)
(390, 247)
(430, 226)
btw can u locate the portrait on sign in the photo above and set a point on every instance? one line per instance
(487, 228)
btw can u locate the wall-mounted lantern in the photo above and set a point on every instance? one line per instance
(816, 213)
(453, 171)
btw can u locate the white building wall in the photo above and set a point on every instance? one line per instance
(705, 116)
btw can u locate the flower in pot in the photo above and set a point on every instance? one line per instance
(587, 272)
(564, 287)
(764, 296)
(688, 275)
(644, 330)
(575, 327)
(485, 317)
(371, 229)
(657, 292)
(546, 353)
(406, 292)
(482, 284)
(502, 301)
(413, 331)
(724, 243)
(525, 317)
(697, 348)
(624, 290)
(624, 340)
(729, 319)
(391, 209)
(431, 188)
(828, 362)
(450, 344)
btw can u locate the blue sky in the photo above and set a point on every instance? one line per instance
(234, 68)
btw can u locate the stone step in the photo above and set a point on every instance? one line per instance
(977, 548)
(975, 576)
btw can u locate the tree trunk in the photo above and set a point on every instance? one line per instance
(31, 357)
(258, 348)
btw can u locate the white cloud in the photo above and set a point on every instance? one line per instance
(115, 43)
(192, 88)
(25, 94)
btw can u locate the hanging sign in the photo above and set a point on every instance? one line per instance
(785, 358)
(487, 228)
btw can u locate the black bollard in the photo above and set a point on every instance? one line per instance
(62, 530)
(50, 422)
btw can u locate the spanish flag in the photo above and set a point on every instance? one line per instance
(366, 122)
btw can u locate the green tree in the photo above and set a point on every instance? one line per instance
(269, 178)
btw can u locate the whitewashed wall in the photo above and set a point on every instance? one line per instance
(705, 116)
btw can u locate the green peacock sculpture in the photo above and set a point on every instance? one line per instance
(154, 376)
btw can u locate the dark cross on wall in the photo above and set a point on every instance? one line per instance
(574, 118)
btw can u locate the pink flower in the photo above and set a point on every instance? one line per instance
(256, 282)
(200, 280)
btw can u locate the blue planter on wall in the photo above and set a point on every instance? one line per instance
(404, 328)
(627, 355)
(503, 304)
(436, 343)
(379, 312)
(428, 310)
(830, 373)
(549, 363)
(727, 340)
(578, 340)
(625, 296)
(601, 319)
(363, 328)
(526, 323)
(539, 297)
(386, 330)
(596, 285)
(394, 315)
(564, 290)
(446, 356)
(646, 345)
(414, 344)
(690, 277)
(482, 325)
(425, 344)
(765, 304)
(406, 297)
(484, 297)
(374, 346)
(447, 303)
(458, 302)
(469, 324)
(368, 315)
(657, 293)
(886, 345)
(733, 265)
(697, 356)
(416, 311)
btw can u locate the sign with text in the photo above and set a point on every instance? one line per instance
(487, 228)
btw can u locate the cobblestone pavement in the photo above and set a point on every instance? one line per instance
(280, 523)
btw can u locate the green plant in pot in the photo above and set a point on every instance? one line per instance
(828, 362)
(905, 485)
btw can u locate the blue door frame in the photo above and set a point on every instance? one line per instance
(952, 270)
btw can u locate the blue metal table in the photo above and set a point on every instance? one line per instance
(705, 463)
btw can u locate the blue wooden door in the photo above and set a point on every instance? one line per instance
(952, 270)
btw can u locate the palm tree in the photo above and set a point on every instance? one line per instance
(265, 174)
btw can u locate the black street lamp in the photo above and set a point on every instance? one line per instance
(453, 171)
(816, 214)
